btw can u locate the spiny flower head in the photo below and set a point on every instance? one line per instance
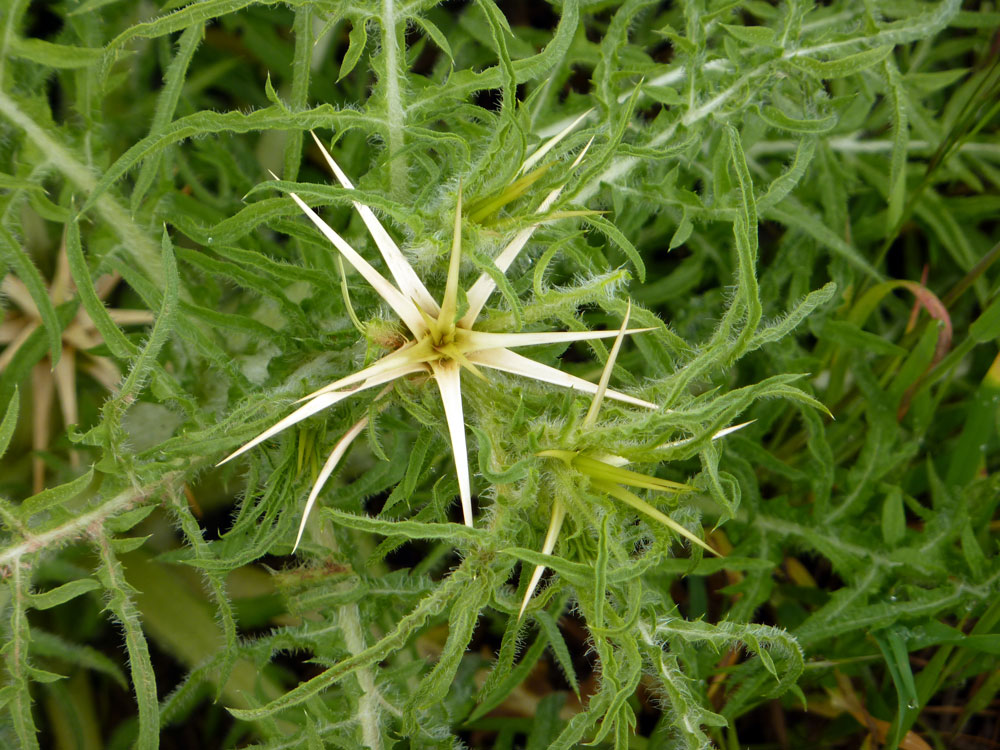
(440, 343)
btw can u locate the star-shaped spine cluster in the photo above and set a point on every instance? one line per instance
(440, 343)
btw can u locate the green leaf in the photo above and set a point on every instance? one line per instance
(204, 123)
(125, 521)
(778, 119)
(929, 82)
(489, 700)
(782, 327)
(90, 5)
(166, 105)
(432, 604)
(558, 646)
(54, 55)
(682, 233)
(679, 41)
(850, 336)
(9, 421)
(784, 183)
(601, 576)
(62, 594)
(179, 20)
(52, 646)
(758, 36)
(115, 340)
(125, 545)
(272, 95)
(305, 38)
(576, 573)
(408, 529)
(435, 34)
(987, 326)
(897, 659)
(15, 653)
(664, 94)
(145, 361)
(58, 495)
(43, 676)
(464, 83)
(794, 215)
(17, 260)
(893, 517)
(614, 234)
(974, 556)
(357, 41)
(843, 66)
(978, 430)
(515, 473)
(900, 139)
(461, 622)
(545, 722)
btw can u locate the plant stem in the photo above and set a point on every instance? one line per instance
(80, 525)
(349, 618)
(368, 709)
(14, 13)
(395, 116)
(17, 662)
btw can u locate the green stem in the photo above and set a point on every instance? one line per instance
(81, 525)
(14, 13)
(123, 607)
(395, 117)
(368, 708)
(17, 661)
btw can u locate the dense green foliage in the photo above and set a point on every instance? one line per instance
(799, 199)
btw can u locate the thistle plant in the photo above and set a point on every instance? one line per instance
(791, 206)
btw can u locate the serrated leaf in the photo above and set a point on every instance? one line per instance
(407, 529)
(761, 36)
(614, 234)
(843, 66)
(113, 337)
(778, 119)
